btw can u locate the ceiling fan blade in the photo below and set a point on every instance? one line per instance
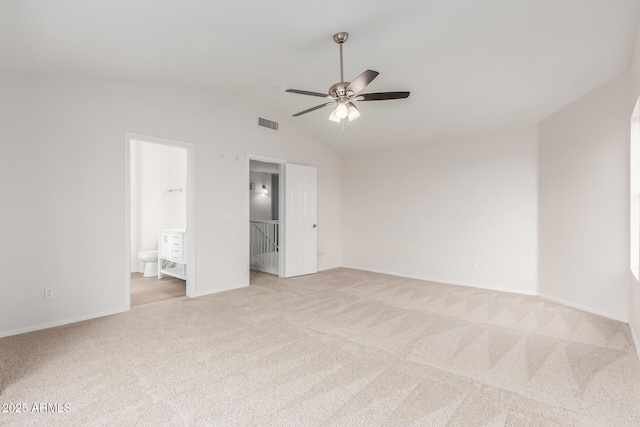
(362, 81)
(306, 92)
(381, 96)
(317, 107)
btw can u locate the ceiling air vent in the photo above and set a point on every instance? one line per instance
(267, 123)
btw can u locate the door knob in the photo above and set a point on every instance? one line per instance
(315, 225)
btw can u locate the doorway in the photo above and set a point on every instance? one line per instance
(282, 242)
(159, 203)
(266, 243)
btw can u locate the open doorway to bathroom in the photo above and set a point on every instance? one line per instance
(159, 187)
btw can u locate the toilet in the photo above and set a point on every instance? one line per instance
(150, 261)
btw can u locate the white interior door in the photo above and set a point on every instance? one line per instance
(300, 219)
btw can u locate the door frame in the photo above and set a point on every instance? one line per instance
(191, 212)
(281, 206)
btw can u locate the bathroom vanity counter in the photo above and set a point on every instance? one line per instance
(172, 259)
(174, 230)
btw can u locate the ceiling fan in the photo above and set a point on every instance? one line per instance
(344, 94)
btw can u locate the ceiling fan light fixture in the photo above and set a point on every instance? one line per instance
(343, 94)
(333, 116)
(342, 110)
(353, 112)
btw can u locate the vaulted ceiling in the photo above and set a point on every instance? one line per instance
(471, 66)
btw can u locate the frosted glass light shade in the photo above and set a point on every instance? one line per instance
(353, 112)
(342, 111)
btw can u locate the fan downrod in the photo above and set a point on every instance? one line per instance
(338, 90)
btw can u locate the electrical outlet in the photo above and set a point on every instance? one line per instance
(473, 265)
(48, 293)
(231, 267)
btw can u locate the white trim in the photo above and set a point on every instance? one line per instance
(281, 199)
(59, 323)
(264, 159)
(217, 291)
(634, 334)
(636, 342)
(584, 308)
(126, 301)
(445, 281)
(191, 222)
(514, 291)
(332, 268)
(191, 211)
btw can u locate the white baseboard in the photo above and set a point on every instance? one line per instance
(91, 316)
(584, 308)
(634, 334)
(515, 291)
(215, 291)
(58, 323)
(445, 281)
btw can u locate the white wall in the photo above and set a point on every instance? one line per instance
(584, 201)
(429, 211)
(176, 201)
(260, 203)
(62, 164)
(634, 285)
(415, 211)
(156, 168)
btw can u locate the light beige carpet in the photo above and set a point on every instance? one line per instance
(342, 347)
(145, 290)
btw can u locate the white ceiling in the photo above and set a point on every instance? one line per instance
(471, 66)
